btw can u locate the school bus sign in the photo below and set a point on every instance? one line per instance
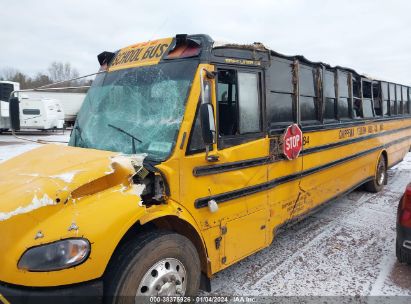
(140, 54)
(293, 141)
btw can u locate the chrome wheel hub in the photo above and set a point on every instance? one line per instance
(381, 179)
(381, 174)
(165, 278)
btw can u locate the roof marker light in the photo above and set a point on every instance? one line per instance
(184, 47)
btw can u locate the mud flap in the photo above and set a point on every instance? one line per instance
(205, 283)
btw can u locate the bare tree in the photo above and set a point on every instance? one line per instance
(59, 71)
(11, 74)
(40, 80)
(8, 73)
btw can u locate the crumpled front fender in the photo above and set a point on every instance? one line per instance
(102, 218)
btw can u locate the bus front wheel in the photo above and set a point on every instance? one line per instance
(380, 177)
(157, 263)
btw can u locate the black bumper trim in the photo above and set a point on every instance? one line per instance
(88, 292)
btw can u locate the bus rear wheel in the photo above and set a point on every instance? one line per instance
(380, 178)
(154, 264)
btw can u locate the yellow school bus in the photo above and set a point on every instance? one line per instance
(187, 156)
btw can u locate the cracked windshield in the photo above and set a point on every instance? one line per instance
(136, 110)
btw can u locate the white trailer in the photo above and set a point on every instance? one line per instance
(6, 87)
(71, 102)
(41, 113)
(35, 112)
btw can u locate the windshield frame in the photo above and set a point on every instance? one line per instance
(76, 138)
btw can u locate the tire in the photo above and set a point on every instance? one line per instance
(403, 255)
(380, 177)
(156, 263)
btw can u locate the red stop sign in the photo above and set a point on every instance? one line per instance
(292, 141)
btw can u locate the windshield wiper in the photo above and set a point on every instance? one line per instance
(125, 132)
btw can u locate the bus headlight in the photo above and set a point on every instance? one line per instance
(55, 256)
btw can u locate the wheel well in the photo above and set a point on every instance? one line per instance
(170, 223)
(173, 223)
(384, 153)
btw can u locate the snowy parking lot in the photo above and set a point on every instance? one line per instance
(347, 248)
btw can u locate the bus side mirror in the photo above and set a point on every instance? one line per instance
(207, 123)
(14, 112)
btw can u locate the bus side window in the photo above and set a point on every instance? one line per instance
(329, 95)
(249, 103)
(400, 107)
(378, 103)
(238, 102)
(227, 102)
(409, 100)
(367, 106)
(357, 102)
(343, 96)
(393, 105)
(405, 100)
(281, 95)
(308, 95)
(196, 143)
(385, 98)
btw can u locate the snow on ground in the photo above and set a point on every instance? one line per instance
(347, 248)
(11, 146)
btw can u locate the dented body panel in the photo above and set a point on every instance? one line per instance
(84, 193)
(68, 169)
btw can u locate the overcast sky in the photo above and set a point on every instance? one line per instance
(373, 37)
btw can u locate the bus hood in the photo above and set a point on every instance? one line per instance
(55, 175)
(57, 192)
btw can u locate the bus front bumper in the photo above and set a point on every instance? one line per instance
(89, 292)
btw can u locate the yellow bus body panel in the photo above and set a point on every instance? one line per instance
(57, 192)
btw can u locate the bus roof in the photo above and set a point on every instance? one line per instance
(207, 50)
(259, 47)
